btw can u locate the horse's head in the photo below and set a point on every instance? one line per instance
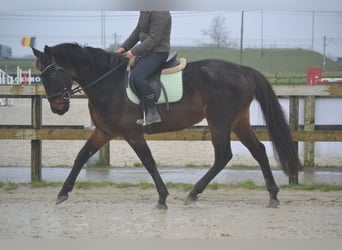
(56, 80)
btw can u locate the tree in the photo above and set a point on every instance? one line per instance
(218, 32)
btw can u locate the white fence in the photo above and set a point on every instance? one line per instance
(23, 77)
(6, 79)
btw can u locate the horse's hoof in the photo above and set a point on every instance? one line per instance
(162, 206)
(190, 199)
(60, 199)
(273, 203)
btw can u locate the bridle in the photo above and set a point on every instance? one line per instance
(65, 92)
(57, 70)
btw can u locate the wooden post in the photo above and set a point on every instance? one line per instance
(105, 155)
(102, 157)
(309, 125)
(294, 114)
(36, 145)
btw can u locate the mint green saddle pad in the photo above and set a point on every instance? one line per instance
(173, 86)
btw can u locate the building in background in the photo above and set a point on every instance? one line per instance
(5, 52)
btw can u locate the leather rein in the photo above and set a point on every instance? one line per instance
(65, 93)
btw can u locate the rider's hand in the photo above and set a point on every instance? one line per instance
(129, 54)
(120, 50)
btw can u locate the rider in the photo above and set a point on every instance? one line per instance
(153, 32)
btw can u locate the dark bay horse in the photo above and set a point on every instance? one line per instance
(217, 90)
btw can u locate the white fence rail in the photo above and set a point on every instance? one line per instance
(6, 79)
(23, 77)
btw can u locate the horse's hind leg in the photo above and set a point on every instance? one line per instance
(246, 135)
(95, 142)
(220, 136)
(141, 148)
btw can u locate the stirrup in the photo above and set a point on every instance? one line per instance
(147, 121)
(142, 121)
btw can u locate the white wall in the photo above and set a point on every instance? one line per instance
(328, 111)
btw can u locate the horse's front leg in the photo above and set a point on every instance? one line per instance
(94, 143)
(141, 148)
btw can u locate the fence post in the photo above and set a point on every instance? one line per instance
(294, 114)
(309, 125)
(102, 157)
(105, 154)
(36, 145)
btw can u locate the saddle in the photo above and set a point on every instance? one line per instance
(170, 67)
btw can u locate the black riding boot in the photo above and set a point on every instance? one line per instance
(151, 111)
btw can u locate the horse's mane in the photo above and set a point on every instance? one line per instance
(80, 55)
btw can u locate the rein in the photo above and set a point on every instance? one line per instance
(79, 88)
(68, 94)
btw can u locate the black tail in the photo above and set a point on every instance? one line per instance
(277, 125)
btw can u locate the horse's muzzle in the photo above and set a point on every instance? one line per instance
(60, 111)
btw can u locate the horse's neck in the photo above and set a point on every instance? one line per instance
(105, 91)
(101, 86)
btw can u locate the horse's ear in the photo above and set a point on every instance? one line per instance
(36, 52)
(47, 50)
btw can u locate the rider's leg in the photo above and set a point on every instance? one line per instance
(145, 67)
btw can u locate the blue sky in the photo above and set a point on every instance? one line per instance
(280, 28)
(286, 23)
